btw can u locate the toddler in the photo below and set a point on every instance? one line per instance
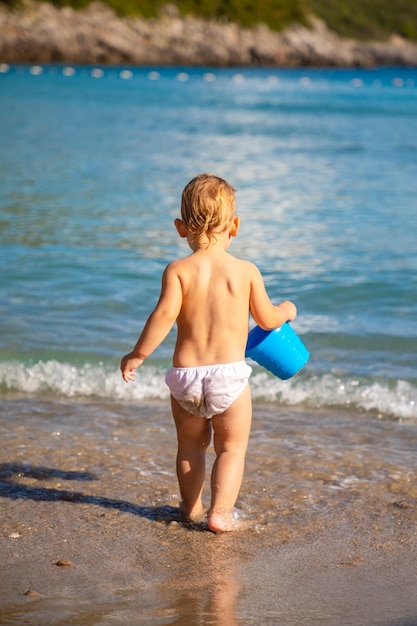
(209, 294)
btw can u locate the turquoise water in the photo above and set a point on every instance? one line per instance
(93, 162)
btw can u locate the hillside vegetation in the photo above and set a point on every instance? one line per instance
(361, 19)
(368, 19)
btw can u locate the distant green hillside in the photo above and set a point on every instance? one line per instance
(362, 19)
(368, 19)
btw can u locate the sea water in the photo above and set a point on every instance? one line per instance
(92, 165)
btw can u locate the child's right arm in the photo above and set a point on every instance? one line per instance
(267, 315)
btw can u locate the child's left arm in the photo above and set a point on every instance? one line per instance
(158, 325)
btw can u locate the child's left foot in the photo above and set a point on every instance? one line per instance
(196, 515)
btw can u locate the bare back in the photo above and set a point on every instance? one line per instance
(213, 320)
(209, 294)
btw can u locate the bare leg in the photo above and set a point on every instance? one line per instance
(231, 435)
(193, 435)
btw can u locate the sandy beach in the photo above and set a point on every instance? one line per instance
(90, 532)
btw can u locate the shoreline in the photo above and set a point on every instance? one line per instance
(91, 528)
(42, 33)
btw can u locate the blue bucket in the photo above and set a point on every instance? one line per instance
(280, 351)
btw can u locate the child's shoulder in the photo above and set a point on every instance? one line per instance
(180, 262)
(247, 266)
(179, 266)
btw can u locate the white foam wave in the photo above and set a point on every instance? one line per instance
(64, 379)
(397, 399)
(394, 399)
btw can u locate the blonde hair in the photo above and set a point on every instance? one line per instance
(207, 205)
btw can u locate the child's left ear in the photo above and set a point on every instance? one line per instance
(180, 226)
(234, 227)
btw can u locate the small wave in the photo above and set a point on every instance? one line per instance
(397, 399)
(70, 381)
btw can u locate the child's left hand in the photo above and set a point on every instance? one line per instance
(128, 366)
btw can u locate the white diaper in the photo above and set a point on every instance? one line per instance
(210, 389)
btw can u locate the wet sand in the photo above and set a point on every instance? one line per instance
(90, 525)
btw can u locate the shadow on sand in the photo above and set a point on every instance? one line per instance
(16, 491)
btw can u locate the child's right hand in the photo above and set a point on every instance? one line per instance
(128, 366)
(289, 309)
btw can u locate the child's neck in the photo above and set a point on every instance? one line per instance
(218, 243)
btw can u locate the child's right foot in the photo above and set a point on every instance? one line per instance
(225, 521)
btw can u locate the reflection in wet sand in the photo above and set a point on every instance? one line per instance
(211, 582)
